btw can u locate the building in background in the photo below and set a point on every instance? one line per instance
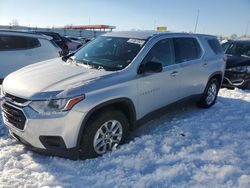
(88, 31)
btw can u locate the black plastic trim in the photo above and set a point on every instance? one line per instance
(69, 153)
(217, 73)
(163, 110)
(52, 142)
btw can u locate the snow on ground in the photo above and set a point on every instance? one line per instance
(187, 147)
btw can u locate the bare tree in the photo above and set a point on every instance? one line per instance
(14, 22)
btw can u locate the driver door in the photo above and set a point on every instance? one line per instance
(156, 90)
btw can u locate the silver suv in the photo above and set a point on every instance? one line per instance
(85, 104)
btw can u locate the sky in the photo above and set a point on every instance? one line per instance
(218, 17)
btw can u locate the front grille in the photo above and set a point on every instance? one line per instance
(15, 99)
(14, 116)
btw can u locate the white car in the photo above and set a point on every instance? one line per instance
(19, 49)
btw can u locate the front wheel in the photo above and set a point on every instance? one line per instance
(104, 132)
(210, 94)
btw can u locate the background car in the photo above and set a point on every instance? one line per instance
(238, 64)
(73, 38)
(72, 44)
(85, 39)
(58, 39)
(18, 49)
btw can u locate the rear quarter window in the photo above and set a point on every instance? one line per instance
(186, 49)
(10, 42)
(215, 46)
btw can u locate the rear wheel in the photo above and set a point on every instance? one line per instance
(210, 94)
(104, 132)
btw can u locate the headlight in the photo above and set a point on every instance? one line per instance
(55, 105)
(240, 69)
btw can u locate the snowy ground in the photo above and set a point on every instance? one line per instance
(188, 147)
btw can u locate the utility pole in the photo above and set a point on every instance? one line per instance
(197, 19)
(246, 29)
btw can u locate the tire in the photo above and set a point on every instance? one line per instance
(210, 94)
(90, 146)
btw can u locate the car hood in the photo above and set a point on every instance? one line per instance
(234, 61)
(50, 79)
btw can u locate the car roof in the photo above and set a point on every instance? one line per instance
(24, 33)
(148, 34)
(245, 41)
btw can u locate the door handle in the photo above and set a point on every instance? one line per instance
(174, 74)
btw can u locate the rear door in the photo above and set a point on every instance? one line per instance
(188, 53)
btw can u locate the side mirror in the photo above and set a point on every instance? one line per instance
(150, 67)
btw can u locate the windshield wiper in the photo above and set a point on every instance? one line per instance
(90, 63)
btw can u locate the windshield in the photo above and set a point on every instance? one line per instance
(110, 53)
(237, 49)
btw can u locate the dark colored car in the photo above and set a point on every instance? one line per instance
(58, 39)
(237, 72)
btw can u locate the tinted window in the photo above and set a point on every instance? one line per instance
(238, 49)
(186, 49)
(215, 46)
(226, 45)
(8, 42)
(162, 52)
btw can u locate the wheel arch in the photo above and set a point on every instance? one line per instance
(218, 75)
(123, 104)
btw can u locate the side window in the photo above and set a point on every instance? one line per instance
(161, 52)
(186, 49)
(5, 42)
(226, 46)
(10, 42)
(215, 46)
(33, 42)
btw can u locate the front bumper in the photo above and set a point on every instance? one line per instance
(235, 79)
(64, 127)
(71, 153)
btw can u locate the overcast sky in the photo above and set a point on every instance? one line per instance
(219, 17)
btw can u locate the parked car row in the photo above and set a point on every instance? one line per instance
(84, 104)
(66, 43)
(82, 40)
